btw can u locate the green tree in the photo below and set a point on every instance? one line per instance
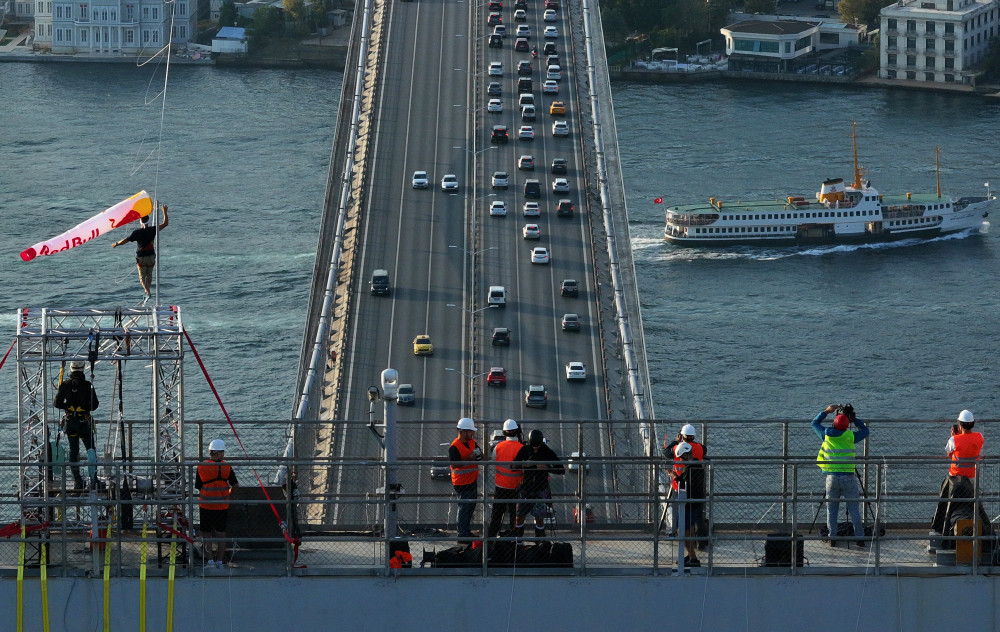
(991, 64)
(318, 12)
(228, 14)
(862, 11)
(295, 9)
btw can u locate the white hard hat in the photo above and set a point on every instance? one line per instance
(966, 417)
(77, 365)
(510, 424)
(465, 423)
(688, 430)
(217, 445)
(682, 448)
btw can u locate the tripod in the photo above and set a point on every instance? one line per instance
(864, 495)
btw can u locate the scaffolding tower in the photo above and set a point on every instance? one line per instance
(48, 340)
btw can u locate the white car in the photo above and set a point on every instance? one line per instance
(554, 73)
(575, 371)
(531, 231)
(449, 182)
(531, 209)
(495, 105)
(550, 15)
(520, 15)
(420, 180)
(551, 32)
(560, 128)
(523, 30)
(550, 87)
(526, 132)
(499, 180)
(560, 185)
(498, 208)
(540, 255)
(496, 69)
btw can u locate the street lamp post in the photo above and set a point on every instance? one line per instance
(472, 377)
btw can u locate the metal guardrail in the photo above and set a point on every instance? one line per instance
(749, 500)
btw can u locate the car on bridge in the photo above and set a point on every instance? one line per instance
(552, 4)
(557, 107)
(550, 32)
(520, 4)
(531, 231)
(497, 295)
(497, 376)
(569, 287)
(449, 182)
(496, 41)
(549, 48)
(532, 188)
(499, 134)
(536, 396)
(496, 69)
(494, 89)
(422, 345)
(560, 128)
(560, 185)
(495, 105)
(526, 132)
(558, 165)
(500, 30)
(440, 467)
(526, 163)
(550, 87)
(521, 44)
(420, 180)
(553, 72)
(572, 463)
(531, 209)
(575, 371)
(527, 113)
(540, 255)
(522, 30)
(565, 209)
(499, 180)
(494, 19)
(496, 5)
(520, 16)
(500, 337)
(549, 15)
(498, 208)
(571, 322)
(524, 68)
(406, 396)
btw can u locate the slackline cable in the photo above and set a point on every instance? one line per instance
(281, 523)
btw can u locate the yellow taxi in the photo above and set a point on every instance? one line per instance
(557, 107)
(422, 345)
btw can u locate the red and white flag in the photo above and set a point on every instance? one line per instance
(658, 200)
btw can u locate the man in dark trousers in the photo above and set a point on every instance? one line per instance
(506, 478)
(145, 252)
(686, 435)
(836, 459)
(216, 481)
(463, 454)
(537, 461)
(691, 479)
(964, 447)
(78, 398)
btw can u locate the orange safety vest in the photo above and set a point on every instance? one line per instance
(697, 450)
(465, 473)
(506, 477)
(215, 489)
(967, 448)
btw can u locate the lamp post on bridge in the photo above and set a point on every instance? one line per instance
(472, 377)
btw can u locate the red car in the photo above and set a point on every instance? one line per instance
(497, 376)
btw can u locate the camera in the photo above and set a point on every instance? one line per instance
(847, 409)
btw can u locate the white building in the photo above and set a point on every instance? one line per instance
(230, 39)
(113, 27)
(936, 40)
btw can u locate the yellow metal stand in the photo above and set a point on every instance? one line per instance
(107, 580)
(142, 582)
(45, 592)
(20, 582)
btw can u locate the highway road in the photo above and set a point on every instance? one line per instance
(443, 250)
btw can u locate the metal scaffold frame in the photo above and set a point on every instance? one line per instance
(49, 339)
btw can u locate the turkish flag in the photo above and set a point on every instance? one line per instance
(658, 200)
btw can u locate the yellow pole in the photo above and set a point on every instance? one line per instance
(170, 580)
(142, 581)
(45, 592)
(20, 582)
(107, 579)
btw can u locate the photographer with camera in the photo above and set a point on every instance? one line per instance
(964, 447)
(836, 459)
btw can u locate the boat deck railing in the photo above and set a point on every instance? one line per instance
(615, 512)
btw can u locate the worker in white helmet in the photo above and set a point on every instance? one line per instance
(505, 478)
(463, 455)
(964, 447)
(686, 435)
(216, 482)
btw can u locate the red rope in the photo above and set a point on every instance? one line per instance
(284, 527)
(8, 353)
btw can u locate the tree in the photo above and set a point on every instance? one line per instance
(296, 9)
(862, 11)
(228, 14)
(991, 64)
(760, 6)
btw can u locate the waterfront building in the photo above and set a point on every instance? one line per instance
(113, 27)
(777, 44)
(938, 41)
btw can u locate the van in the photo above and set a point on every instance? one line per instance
(526, 99)
(532, 188)
(523, 85)
(527, 113)
(497, 296)
(379, 284)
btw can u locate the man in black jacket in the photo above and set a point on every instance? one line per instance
(78, 398)
(537, 461)
(691, 480)
(145, 253)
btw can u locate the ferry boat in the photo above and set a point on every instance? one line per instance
(841, 213)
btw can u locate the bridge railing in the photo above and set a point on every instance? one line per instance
(758, 514)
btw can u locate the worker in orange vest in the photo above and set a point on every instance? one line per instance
(964, 447)
(506, 479)
(463, 454)
(216, 482)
